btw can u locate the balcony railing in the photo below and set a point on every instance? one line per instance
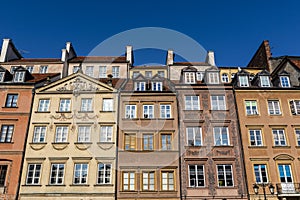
(288, 188)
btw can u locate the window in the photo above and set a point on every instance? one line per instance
(57, 174)
(61, 134)
(76, 69)
(102, 72)
(89, 70)
(225, 78)
(84, 134)
(200, 76)
(192, 103)
(148, 74)
(3, 171)
(148, 111)
(285, 81)
(251, 108)
(128, 181)
(2, 76)
(196, 176)
(189, 77)
(19, 76)
(135, 74)
(80, 173)
(130, 111)
(44, 105)
(11, 101)
(13, 69)
(167, 180)
(285, 175)
(65, 105)
(279, 137)
(130, 142)
(116, 71)
(148, 180)
(260, 172)
(107, 105)
(218, 102)
(86, 105)
(194, 136)
(213, 78)
(6, 133)
(166, 141)
(140, 86)
(295, 107)
(148, 142)
(225, 178)
(104, 173)
(157, 86)
(255, 137)
(274, 107)
(33, 174)
(264, 81)
(297, 132)
(221, 136)
(43, 69)
(39, 134)
(243, 81)
(29, 69)
(106, 134)
(161, 73)
(165, 111)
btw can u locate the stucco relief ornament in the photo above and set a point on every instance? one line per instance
(61, 117)
(78, 86)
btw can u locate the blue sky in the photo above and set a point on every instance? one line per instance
(232, 28)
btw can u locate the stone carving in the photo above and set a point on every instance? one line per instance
(78, 86)
(61, 117)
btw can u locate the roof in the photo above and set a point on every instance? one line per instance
(116, 82)
(191, 63)
(109, 59)
(36, 60)
(296, 62)
(40, 77)
(150, 67)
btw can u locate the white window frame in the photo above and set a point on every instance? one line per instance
(255, 137)
(274, 107)
(218, 102)
(58, 179)
(167, 181)
(86, 105)
(44, 105)
(76, 69)
(148, 180)
(43, 69)
(225, 78)
(265, 81)
(156, 86)
(135, 74)
(189, 77)
(83, 173)
(213, 78)
(200, 76)
(128, 181)
(130, 111)
(108, 104)
(243, 80)
(165, 111)
(161, 74)
(140, 86)
(285, 81)
(11, 101)
(297, 134)
(279, 137)
(61, 134)
(102, 71)
(39, 134)
(30, 68)
(116, 71)
(84, 133)
(35, 172)
(7, 131)
(192, 102)
(65, 105)
(295, 107)
(224, 173)
(148, 111)
(199, 171)
(89, 71)
(106, 133)
(221, 136)
(251, 107)
(259, 173)
(194, 136)
(19, 76)
(104, 173)
(2, 76)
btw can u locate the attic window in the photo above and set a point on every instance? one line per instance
(284, 81)
(189, 77)
(29, 68)
(225, 78)
(213, 77)
(2, 76)
(243, 81)
(264, 81)
(19, 76)
(13, 69)
(135, 74)
(200, 76)
(140, 86)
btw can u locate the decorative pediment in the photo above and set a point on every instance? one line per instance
(76, 84)
(283, 157)
(189, 69)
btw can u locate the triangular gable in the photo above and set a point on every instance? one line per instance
(77, 82)
(157, 77)
(140, 77)
(282, 66)
(264, 73)
(213, 68)
(243, 72)
(190, 69)
(2, 69)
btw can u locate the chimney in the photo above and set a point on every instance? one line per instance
(9, 51)
(63, 55)
(170, 57)
(210, 58)
(129, 56)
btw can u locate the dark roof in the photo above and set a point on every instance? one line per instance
(108, 59)
(36, 60)
(41, 77)
(116, 82)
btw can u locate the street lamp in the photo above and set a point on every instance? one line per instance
(263, 185)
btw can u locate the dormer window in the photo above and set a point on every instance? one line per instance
(135, 74)
(140, 86)
(43, 69)
(200, 76)
(284, 81)
(13, 69)
(29, 68)
(264, 81)
(19, 76)
(225, 78)
(189, 77)
(243, 80)
(161, 73)
(2, 76)
(213, 78)
(156, 86)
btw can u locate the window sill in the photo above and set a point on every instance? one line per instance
(60, 146)
(219, 110)
(85, 111)
(38, 146)
(257, 147)
(104, 185)
(200, 110)
(107, 111)
(80, 185)
(32, 185)
(129, 191)
(63, 111)
(56, 185)
(42, 112)
(83, 145)
(222, 146)
(283, 147)
(6, 142)
(10, 107)
(252, 115)
(148, 191)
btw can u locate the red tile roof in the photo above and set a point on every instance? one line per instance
(109, 59)
(36, 60)
(296, 62)
(40, 77)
